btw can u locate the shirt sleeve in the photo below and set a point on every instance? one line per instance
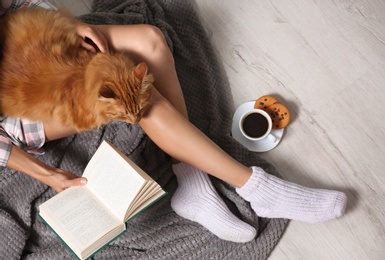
(12, 5)
(5, 150)
(26, 134)
(41, 3)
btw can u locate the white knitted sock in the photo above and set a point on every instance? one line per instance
(272, 197)
(197, 200)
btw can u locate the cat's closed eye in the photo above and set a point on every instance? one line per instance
(106, 92)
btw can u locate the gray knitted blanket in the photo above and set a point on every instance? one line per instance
(157, 233)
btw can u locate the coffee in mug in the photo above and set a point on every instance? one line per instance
(255, 124)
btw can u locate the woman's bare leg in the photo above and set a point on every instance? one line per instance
(183, 141)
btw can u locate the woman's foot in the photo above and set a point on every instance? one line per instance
(272, 197)
(197, 200)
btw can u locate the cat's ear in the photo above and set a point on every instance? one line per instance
(106, 93)
(141, 71)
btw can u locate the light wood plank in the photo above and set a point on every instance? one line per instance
(326, 61)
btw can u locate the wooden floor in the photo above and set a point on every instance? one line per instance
(326, 61)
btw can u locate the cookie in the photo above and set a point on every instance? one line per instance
(265, 101)
(280, 115)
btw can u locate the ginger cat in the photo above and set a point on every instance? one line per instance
(45, 74)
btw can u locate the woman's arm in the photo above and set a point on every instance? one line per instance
(58, 179)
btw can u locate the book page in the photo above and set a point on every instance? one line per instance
(77, 216)
(113, 180)
(143, 196)
(155, 197)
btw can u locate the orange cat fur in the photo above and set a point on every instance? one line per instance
(45, 74)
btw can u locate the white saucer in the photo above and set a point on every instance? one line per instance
(255, 146)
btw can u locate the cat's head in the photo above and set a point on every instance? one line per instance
(122, 90)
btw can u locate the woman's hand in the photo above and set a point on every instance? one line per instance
(57, 179)
(91, 32)
(60, 180)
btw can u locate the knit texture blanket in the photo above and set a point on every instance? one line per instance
(158, 233)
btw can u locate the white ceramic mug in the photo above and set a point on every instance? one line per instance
(256, 125)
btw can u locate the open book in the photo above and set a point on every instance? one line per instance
(87, 218)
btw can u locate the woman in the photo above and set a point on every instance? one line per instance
(194, 154)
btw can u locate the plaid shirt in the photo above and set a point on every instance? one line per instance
(23, 133)
(12, 5)
(26, 134)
